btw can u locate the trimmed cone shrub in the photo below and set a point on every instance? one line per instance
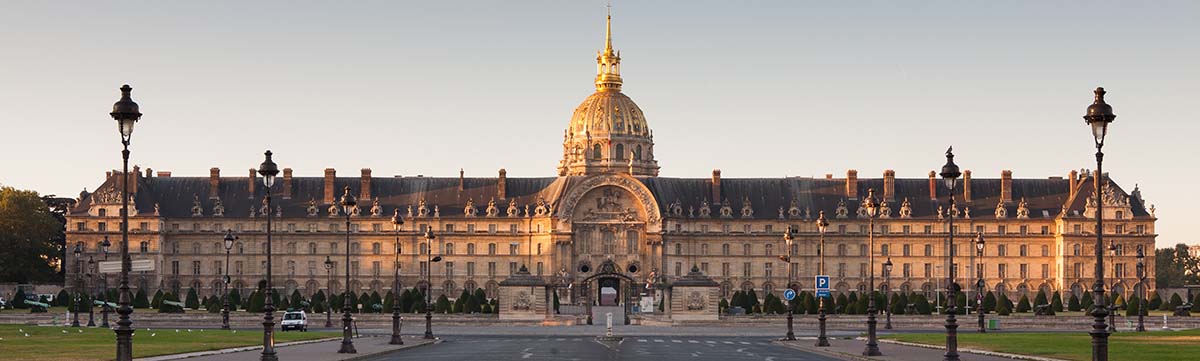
(193, 299)
(1002, 306)
(1023, 305)
(140, 300)
(1073, 303)
(989, 302)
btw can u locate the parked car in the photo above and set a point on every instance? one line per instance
(294, 320)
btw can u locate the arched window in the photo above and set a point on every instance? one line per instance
(102, 212)
(620, 152)
(637, 153)
(725, 249)
(449, 248)
(746, 249)
(1077, 250)
(1120, 214)
(470, 249)
(596, 151)
(769, 248)
(678, 249)
(312, 248)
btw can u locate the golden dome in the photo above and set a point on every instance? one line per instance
(607, 113)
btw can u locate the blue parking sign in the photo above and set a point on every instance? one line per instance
(822, 286)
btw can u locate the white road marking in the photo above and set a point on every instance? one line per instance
(658, 340)
(641, 340)
(744, 343)
(525, 353)
(676, 341)
(693, 341)
(727, 342)
(710, 341)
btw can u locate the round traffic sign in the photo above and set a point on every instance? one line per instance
(789, 294)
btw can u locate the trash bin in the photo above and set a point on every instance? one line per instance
(993, 324)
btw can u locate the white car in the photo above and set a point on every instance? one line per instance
(294, 320)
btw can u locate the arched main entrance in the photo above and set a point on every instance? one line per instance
(608, 290)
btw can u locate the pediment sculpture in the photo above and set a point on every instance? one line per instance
(491, 210)
(1023, 209)
(197, 210)
(512, 210)
(218, 209)
(376, 210)
(841, 211)
(312, 208)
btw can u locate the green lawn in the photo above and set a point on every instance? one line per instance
(1157, 345)
(51, 343)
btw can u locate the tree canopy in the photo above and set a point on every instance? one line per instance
(1174, 267)
(32, 235)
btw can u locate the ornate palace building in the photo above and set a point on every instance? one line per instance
(607, 225)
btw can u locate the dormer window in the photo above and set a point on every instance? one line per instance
(104, 212)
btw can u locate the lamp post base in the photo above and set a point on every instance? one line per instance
(822, 339)
(396, 324)
(872, 348)
(791, 336)
(428, 325)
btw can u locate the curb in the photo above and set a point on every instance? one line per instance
(824, 351)
(223, 351)
(974, 351)
(388, 352)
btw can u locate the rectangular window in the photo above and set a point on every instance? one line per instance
(907, 270)
(704, 267)
(907, 250)
(1141, 229)
(928, 230)
(1002, 229)
(768, 228)
(929, 250)
(841, 229)
(312, 268)
(979, 229)
(539, 268)
(492, 228)
(80, 226)
(145, 226)
(375, 268)
(449, 269)
(196, 268)
(907, 229)
(928, 270)
(767, 269)
(375, 227)
(491, 269)
(746, 269)
(1045, 271)
(1078, 270)
(312, 227)
(979, 270)
(1024, 230)
(449, 228)
(678, 268)
(862, 270)
(237, 267)
(512, 228)
(1024, 270)
(725, 269)
(1045, 230)
(1078, 229)
(470, 269)
(725, 228)
(513, 249)
(1002, 270)
(219, 267)
(512, 268)
(101, 227)
(175, 267)
(471, 228)
(885, 229)
(841, 270)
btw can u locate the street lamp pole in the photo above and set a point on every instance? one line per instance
(822, 225)
(126, 113)
(229, 238)
(329, 295)
(78, 280)
(88, 285)
(268, 170)
(429, 236)
(887, 294)
(872, 208)
(397, 221)
(1141, 273)
(348, 203)
(788, 239)
(980, 285)
(950, 175)
(1112, 306)
(104, 285)
(1098, 116)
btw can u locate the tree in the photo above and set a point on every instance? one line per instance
(1175, 267)
(158, 296)
(839, 304)
(1056, 302)
(318, 302)
(297, 301)
(164, 307)
(1119, 301)
(442, 305)
(33, 236)
(1073, 304)
(1086, 301)
(1155, 302)
(1134, 305)
(481, 298)
(62, 299)
(752, 298)
(722, 306)
(736, 299)
(1175, 301)
(235, 299)
(193, 299)
(364, 303)
(922, 304)
(556, 301)
(470, 304)
(1040, 299)
(1023, 305)
(1002, 305)
(18, 300)
(989, 302)
(139, 300)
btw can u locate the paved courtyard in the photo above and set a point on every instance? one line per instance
(658, 348)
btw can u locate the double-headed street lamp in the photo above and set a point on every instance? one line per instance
(1098, 116)
(397, 221)
(104, 245)
(430, 259)
(126, 113)
(229, 238)
(268, 170)
(788, 239)
(822, 225)
(1141, 274)
(887, 294)
(78, 281)
(329, 295)
(980, 285)
(950, 176)
(872, 209)
(348, 204)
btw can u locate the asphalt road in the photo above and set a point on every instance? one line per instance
(656, 348)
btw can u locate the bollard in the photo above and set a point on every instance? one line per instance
(608, 316)
(1165, 323)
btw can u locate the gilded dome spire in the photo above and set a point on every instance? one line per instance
(608, 63)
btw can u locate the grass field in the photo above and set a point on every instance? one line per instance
(1157, 345)
(52, 343)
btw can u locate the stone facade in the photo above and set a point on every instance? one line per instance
(608, 203)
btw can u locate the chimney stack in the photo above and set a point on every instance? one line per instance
(164, 174)
(137, 172)
(716, 186)
(502, 184)
(1074, 182)
(932, 185)
(365, 184)
(889, 185)
(214, 182)
(253, 180)
(852, 184)
(287, 183)
(330, 192)
(461, 186)
(967, 186)
(149, 172)
(1006, 186)
(829, 176)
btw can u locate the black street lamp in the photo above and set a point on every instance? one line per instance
(78, 280)
(980, 285)
(397, 221)
(872, 208)
(329, 296)
(91, 263)
(229, 238)
(950, 176)
(887, 294)
(348, 204)
(1112, 306)
(429, 237)
(104, 246)
(268, 170)
(788, 239)
(1098, 116)
(822, 225)
(1141, 274)
(126, 113)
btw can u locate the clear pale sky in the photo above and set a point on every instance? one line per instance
(755, 88)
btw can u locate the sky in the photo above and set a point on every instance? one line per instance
(755, 88)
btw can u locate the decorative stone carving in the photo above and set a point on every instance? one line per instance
(905, 209)
(333, 210)
(523, 301)
(376, 210)
(264, 210)
(726, 210)
(422, 210)
(437, 212)
(278, 211)
(794, 209)
(410, 211)
(107, 195)
(705, 209)
(1152, 209)
(807, 213)
(966, 212)
(676, 209)
(491, 210)
(696, 301)
(156, 209)
(1001, 212)
(861, 212)
(841, 211)
(781, 212)
(312, 208)
(218, 209)
(691, 212)
(512, 210)
(747, 209)
(1023, 209)
(542, 208)
(610, 205)
(640, 194)
(469, 209)
(941, 212)
(197, 210)
(885, 210)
